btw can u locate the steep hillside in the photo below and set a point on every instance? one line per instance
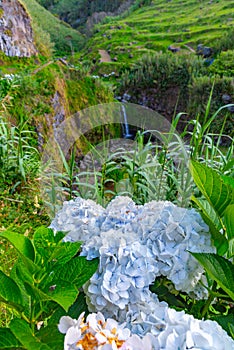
(50, 30)
(77, 12)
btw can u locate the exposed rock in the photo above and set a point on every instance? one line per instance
(204, 51)
(16, 35)
(173, 49)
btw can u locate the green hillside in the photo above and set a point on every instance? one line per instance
(183, 24)
(50, 31)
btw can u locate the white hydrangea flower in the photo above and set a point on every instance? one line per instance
(126, 270)
(80, 218)
(148, 342)
(94, 334)
(185, 332)
(120, 212)
(134, 245)
(171, 232)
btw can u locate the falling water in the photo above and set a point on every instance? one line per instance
(127, 135)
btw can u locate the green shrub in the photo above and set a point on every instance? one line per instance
(199, 92)
(223, 64)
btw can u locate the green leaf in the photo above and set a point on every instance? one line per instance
(36, 294)
(230, 248)
(49, 246)
(229, 225)
(228, 180)
(211, 219)
(24, 334)
(65, 251)
(210, 183)
(51, 336)
(8, 340)
(63, 294)
(10, 292)
(219, 269)
(21, 243)
(77, 271)
(229, 221)
(231, 329)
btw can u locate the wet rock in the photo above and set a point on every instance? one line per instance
(126, 97)
(16, 35)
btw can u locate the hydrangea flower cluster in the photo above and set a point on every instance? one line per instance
(181, 332)
(95, 333)
(156, 237)
(135, 244)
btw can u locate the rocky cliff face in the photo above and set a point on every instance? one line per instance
(16, 36)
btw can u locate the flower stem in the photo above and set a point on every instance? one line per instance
(209, 300)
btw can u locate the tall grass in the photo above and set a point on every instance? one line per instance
(19, 160)
(149, 170)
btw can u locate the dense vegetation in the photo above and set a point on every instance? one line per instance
(77, 12)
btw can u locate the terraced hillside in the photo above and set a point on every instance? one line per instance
(181, 23)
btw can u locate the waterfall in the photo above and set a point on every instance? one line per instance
(127, 135)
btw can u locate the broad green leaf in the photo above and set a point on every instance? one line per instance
(21, 243)
(23, 333)
(77, 271)
(228, 180)
(229, 225)
(229, 221)
(44, 242)
(65, 251)
(64, 294)
(220, 269)
(10, 292)
(36, 294)
(230, 252)
(211, 219)
(50, 247)
(231, 329)
(79, 306)
(8, 340)
(51, 336)
(210, 183)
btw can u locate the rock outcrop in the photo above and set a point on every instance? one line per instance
(16, 35)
